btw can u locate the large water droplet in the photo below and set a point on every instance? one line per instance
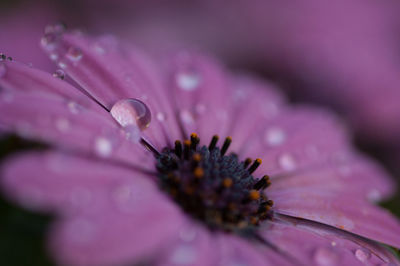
(325, 257)
(49, 41)
(103, 147)
(59, 73)
(131, 112)
(188, 80)
(362, 255)
(274, 136)
(74, 54)
(3, 70)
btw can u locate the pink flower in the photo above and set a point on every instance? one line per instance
(128, 188)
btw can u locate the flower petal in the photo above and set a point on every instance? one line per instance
(107, 214)
(200, 92)
(38, 106)
(344, 212)
(110, 71)
(310, 247)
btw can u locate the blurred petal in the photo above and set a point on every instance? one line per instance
(110, 71)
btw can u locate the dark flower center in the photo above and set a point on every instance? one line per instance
(214, 187)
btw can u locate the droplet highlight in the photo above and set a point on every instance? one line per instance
(74, 54)
(131, 112)
(188, 80)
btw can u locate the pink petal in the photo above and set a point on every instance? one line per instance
(358, 177)
(53, 180)
(107, 214)
(110, 71)
(200, 93)
(254, 104)
(344, 212)
(41, 107)
(309, 247)
(235, 250)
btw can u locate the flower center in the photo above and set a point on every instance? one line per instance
(214, 187)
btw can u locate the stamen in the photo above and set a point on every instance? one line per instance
(263, 183)
(178, 148)
(247, 162)
(225, 146)
(227, 182)
(194, 141)
(213, 142)
(254, 194)
(254, 166)
(186, 149)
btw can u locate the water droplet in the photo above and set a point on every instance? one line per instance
(74, 54)
(186, 117)
(131, 112)
(362, 255)
(287, 162)
(59, 73)
(325, 257)
(2, 57)
(103, 147)
(62, 124)
(49, 41)
(274, 136)
(73, 107)
(57, 28)
(161, 116)
(333, 243)
(3, 70)
(188, 80)
(62, 65)
(183, 255)
(99, 49)
(53, 56)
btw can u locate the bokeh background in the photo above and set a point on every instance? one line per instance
(343, 55)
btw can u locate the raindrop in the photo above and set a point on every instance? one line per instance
(74, 54)
(186, 117)
(274, 136)
(287, 162)
(57, 28)
(2, 57)
(361, 255)
(62, 65)
(59, 73)
(73, 107)
(53, 56)
(183, 255)
(99, 49)
(325, 257)
(3, 70)
(62, 124)
(103, 146)
(9, 58)
(131, 112)
(188, 80)
(161, 116)
(49, 41)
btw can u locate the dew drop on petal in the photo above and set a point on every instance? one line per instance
(3, 70)
(62, 124)
(131, 112)
(73, 107)
(74, 54)
(325, 257)
(187, 80)
(362, 255)
(2, 57)
(49, 41)
(186, 117)
(183, 255)
(59, 73)
(161, 116)
(62, 65)
(274, 136)
(103, 146)
(287, 162)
